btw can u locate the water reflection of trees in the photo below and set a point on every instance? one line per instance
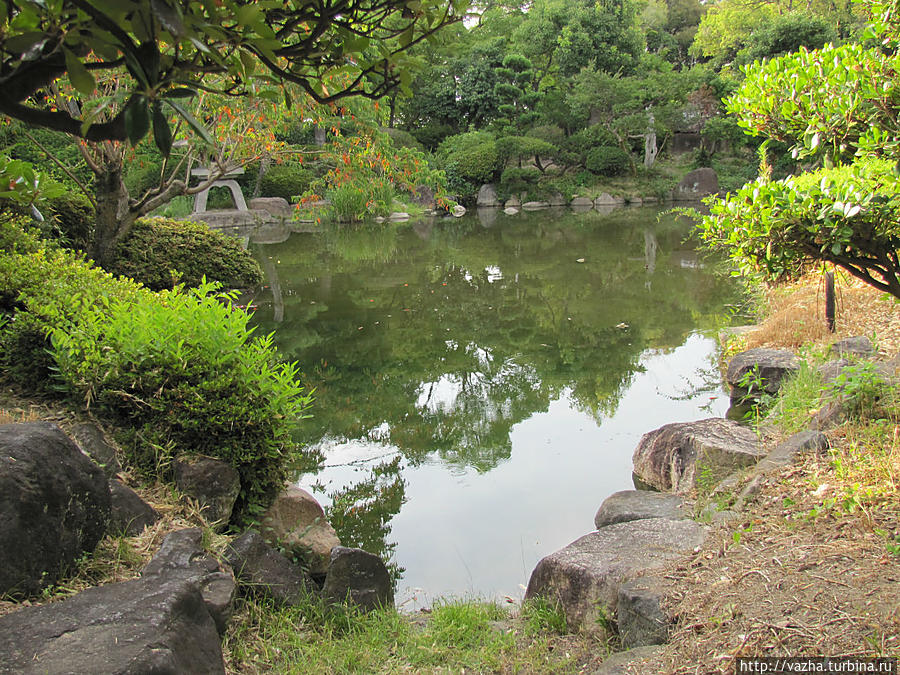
(449, 335)
(506, 315)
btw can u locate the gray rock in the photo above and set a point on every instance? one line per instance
(487, 196)
(92, 441)
(182, 556)
(513, 202)
(215, 485)
(585, 576)
(424, 197)
(675, 456)
(556, 199)
(607, 199)
(510, 211)
(581, 204)
(276, 206)
(627, 505)
(535, 206)
(230, 218)
(765, 368)
(297, 520)
(458, 211)
(639, 613)
(696, 185)
(261, 569)
(831, 414)
(855, 346)
(129, 514)
(787, 452)
(398, 216)
(159, 623)
(831, 370)
(55, 505)
(358, 577)
(639, 661)
(634, 200)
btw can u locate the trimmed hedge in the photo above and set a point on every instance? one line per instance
(160, 252)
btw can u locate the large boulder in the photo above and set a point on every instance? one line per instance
(487, 196)
(92, 441)
(676, 456)
(54, 503)
(640, 617)
(585, 576)
(627, 505)
(698, 184)
(215, 485)
(359, 578)
(295, 519)
(759, 371)
(276, 206)
(160, 623)
(261, 569)
(129, 514)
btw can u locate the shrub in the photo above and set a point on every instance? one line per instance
(72, 217)
(515, 180)
(606, 161)
(356, 199)
(469, 159)
(179, 369)
(160, 253)
(403, 139)
(285, 180)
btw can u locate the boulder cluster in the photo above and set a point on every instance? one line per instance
(611, 581)
(60, 496)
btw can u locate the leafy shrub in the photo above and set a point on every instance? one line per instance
(179, 368)
(469, 160)
(515, 180)
(160, 253)
(285, 180)
(355, 199)
(16, 234)
(403, 139)
(606, 161)
(72, 216)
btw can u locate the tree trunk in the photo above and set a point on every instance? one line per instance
(650, 149)
(114, 218)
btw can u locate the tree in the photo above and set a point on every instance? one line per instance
(170, 48)
(836, 108)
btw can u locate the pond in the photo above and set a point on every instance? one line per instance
(482, 382)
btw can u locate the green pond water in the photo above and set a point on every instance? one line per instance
(481, 383)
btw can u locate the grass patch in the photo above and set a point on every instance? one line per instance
(457, 636)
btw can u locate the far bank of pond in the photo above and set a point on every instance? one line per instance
(481, 385)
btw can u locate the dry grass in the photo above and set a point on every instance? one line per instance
(795, 315)
(812, 567)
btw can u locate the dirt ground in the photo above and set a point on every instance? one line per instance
(812, 566)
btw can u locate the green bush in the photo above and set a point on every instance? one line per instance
(72, 217)
(160, 253)
(16, 233)
(179, 370)
(469, 160)
(515, 180)
(403, 139)
(285, 180)
(606, 161)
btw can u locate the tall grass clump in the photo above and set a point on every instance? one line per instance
(179, 371)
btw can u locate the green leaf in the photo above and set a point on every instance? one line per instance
(137, 119)
(192, 122)
(81, 79)
(180, 92)
(162, 134)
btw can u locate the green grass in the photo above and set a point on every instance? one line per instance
(457, 636)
